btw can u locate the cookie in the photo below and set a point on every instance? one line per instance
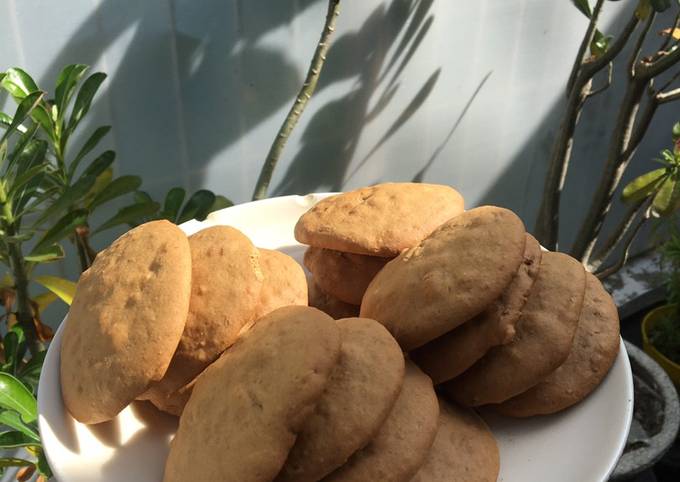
(595, 347)
(543, 338)
(404, 440)
(247, 408)
(284, 282)
(379, 220)
(464, 449)
(172, 403)
(330, 305)
(127, 318)
(449, 278)
(225, 295)
(454, 352)
(358, 398)
(343, 275)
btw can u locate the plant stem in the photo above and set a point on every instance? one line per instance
(85, 252)
(583, 48)
(300, 103)
(547, 222)
(616, 237)
(24, 312)
(626, 251)
(618, 157)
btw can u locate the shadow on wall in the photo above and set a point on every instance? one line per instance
(225, 48)
(589, 152)
(333, 133)
(260, 80)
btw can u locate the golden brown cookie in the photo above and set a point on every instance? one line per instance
(450, 277)
(358, 398)
(328, 304)
(225, 295)
(404, 440)
(172, 403)
(593, 352)
(464, 450)
(344, 276)
(284, 283)
(247, 408)
(454, 352)
(543, 338)
(379, 220)
(125, 321)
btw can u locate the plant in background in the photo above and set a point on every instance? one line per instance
(636, 109)
(47, 195)
(654, 194)
(665, 334)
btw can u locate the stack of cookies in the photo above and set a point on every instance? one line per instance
(353, 235)
(156, 308)
(216, 331)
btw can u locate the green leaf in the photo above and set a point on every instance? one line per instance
(198, 206)
(100, 164)
(63, 288)
(84, 99)
(66, 83)
(15, 349)
(173, 202)
(116, 188)
(665, 200)
(142, 197)
(14, 462)
(5, 120)
(600, 44)
(103, 180)
(25, 178)
(68, 198)
(130, 214)
(90, 144)
(47, 255)
(31, 371)
(18, 83)
(43, 466)
(676, 132)
(221, 202)
(62, 228)
(11, 419)
(25, 138)
(23, 111)
(14, 439)
(15, 396)
(32, 156)
(584, 7)
(661, 5)
(644, 185)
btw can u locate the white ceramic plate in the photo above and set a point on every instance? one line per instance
(580, 444)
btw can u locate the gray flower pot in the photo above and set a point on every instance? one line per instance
(655, 420)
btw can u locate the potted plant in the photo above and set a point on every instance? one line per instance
(661, 326)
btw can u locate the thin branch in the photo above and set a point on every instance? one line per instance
(670, 81)
(300, 103)
(647, 70)
(547, 222)
(618, 157)
(593, 66)
(667, 41)
(626, 252)
(670, 96)
(583, 48)
(635, 54)
(642, 124)
(606, 85)
(617, 236)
